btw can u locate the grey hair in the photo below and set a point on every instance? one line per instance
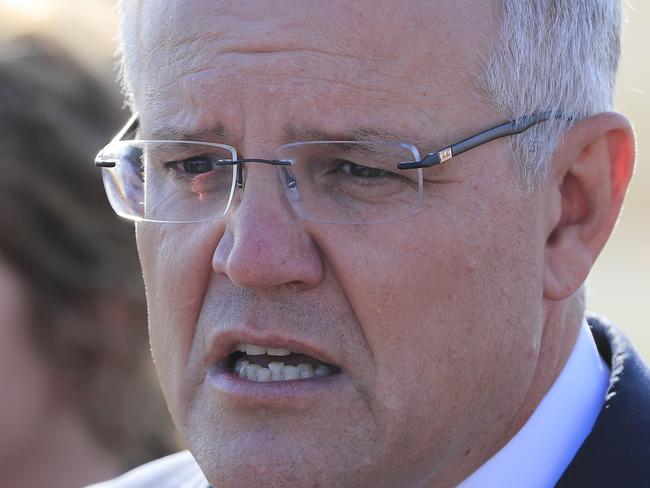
(127, 37)
(557, 56)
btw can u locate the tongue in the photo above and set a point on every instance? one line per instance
(292, 359)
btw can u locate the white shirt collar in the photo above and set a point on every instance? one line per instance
(544, 447)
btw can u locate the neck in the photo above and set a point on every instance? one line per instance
(65, 455)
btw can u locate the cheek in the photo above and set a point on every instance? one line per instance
(176, 264)
(444, 305)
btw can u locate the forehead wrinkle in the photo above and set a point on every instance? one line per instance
(301, 63)
(205, 43)
(241, 29)
(425, 91)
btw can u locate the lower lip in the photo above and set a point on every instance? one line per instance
(294, 394)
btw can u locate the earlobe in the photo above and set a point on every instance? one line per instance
(588, 178)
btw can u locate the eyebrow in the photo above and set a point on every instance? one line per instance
(219, 133)
(216, 133)
(296, 134)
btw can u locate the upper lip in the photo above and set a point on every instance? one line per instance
(223, 343)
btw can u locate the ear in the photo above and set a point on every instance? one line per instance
(589, 175)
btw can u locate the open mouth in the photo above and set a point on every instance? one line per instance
(252, 362)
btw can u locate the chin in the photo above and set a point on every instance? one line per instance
(276, 458)
(269, 467)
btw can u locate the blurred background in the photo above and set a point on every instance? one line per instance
(619, 286)
(80, 402)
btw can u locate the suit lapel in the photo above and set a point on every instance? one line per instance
(617, 451)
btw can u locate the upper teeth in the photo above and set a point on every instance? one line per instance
(255, 350)
(277, 371)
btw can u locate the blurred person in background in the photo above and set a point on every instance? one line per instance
(76, 403)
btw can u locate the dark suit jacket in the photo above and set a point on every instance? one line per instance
(616, 454)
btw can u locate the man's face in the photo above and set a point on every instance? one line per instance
(434, 321)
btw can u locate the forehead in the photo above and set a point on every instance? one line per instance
(361, 56)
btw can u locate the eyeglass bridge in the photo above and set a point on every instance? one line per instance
(239, 162)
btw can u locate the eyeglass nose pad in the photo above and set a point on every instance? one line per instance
(289, 183)
(241, 178)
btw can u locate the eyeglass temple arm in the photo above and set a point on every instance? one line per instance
(129, 128)
(507, 129)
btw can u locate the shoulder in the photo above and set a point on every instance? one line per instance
(176, 471)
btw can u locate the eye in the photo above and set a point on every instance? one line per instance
(195, 166)
(360, 171)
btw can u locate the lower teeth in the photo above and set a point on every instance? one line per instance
(279, 371)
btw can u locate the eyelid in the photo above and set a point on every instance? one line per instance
(197, 157)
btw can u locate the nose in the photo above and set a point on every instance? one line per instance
(264, 245)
